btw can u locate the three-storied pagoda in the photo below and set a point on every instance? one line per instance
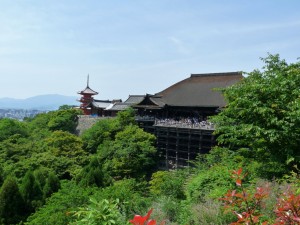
(87, 98)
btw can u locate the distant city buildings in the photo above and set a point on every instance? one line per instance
(19, 114)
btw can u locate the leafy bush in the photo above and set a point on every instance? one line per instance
(58, 207)
(9, 127)
(103, 212)
(131, 194)
(213, 182)
(131, 154)
(169, 183)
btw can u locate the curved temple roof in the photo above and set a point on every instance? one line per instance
(88, 90)
(199, 90)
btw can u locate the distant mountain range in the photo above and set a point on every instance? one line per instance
(40, 102)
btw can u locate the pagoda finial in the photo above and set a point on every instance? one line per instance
(88, 80)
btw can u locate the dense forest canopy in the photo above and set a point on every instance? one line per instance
(50, 175)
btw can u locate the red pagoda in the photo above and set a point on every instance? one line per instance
(87, 98)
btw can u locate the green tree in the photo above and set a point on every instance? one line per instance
(131, 154)
(40, 121)
(59, 206)
(31, 192)
(103, 130)
(67, 148)
(106, 129)
(92, 174)
(65, 144)
(9, 127)
(65, 120)
(11, 202)
(51, 186)
(169, 183)
(262, 116)
(126, 117)
(65, 107)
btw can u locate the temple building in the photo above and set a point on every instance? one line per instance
(177, 116)
(94, 107)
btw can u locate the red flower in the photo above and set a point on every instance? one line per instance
(144, 220)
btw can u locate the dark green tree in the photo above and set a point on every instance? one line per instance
(262, 117)
(59, 206)
(11, 202)
(31, 192)
(51, 186)
(1, 176)
(92, 174)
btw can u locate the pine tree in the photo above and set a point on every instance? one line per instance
(52, 185)
(11, 202)
(31, 192)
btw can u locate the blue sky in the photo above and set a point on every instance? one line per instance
(136, 47)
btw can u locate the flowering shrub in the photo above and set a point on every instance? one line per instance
(247, 206)
(244, 205)
(288, 209)
(144, 220)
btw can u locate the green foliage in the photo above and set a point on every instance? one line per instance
(58, 207)
(40, 121)
(65, 107)
(103, 130)
(65, 120)
(106, 129)
(92, 175)
(263, 114)
(11, 202)
(169, 183)
(10, 127)
(1, 176)
(208, 212)
(126, 117)
(103, 212)
(213, 183)
(65, 144)
(51, 186)
(167, 208)
(31, 192)
(68, 148)
(132, 196)
(131, 154)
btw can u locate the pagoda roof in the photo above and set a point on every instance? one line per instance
(88, 90)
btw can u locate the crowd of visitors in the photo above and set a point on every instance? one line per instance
(185, 123)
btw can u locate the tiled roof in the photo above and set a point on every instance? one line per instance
(118, 107)
(88, 90)
(101, 104)
(199, 90)
(134, 99)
